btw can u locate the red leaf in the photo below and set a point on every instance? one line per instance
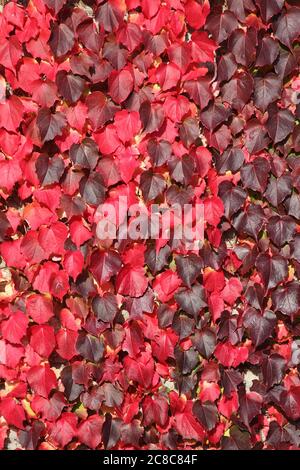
(10, 174)
(64, 429)
(120, 85)
(187, 426)
(14, 329)
(196, 13)
(127, 125)
(12, 412)
(131, 281)
(140, 371)
(42, 380)
(42, 340)
(73, 263)
(166, 284)
(66, 341)
(39, 308)
(232, 290)
(11, 112)
(155, 410)
(231, 356)
(213, 210)
(108, 140)
(89, 431)
(49, 409)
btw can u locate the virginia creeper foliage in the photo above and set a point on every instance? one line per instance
(143, 344)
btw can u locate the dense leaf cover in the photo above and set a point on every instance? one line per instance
(143, 344)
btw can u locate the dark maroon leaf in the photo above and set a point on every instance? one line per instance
(104, 265)
(273, 368)
(62, 40)
(92, 189)
(189, 131)
(242, 45)
(94, 399)
(267, 89)
(176, 195)
(250, 222)
(286, 299)
(256, 136)
(85, 155)
(30, 436)
(49, 169)
(159, 151)
(281, 229)
(231, 160)
(237, 92)
(199, 90)
(238, 440)
(268, 51)
(287, 28)
(137, 306)
(55, 5)
(214, 115)
(230, 380)
(189, 268)
(247, 256)
(152, 117)
(255, 174)
(278, 166)
(192, 300)
(255, 296)
(206, 413)
(233, 197)
(269, 8)
(158, 43)
(4, 226)
(156, 260)
(105, 308)
(152, 185)
(182, 169)
(183, 326)
(260, 326)
(50, 125)
(220, 139)
(273, 269)
(90, 347)
(186, 361)
(227, 66)
(115, 55)
(72, 206)
(278, 189)
(111, 431)
(250, 407)
(109, 16)
(205, 342)
(221, 25)
(69, 86)
(131, 433)
(229, 329)
(296, 248)
(239, 8)
(165, 316)
(280, 124)
(290, 402)
(100, 109)
(112, 396)
(72, 390)
(285, 64)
